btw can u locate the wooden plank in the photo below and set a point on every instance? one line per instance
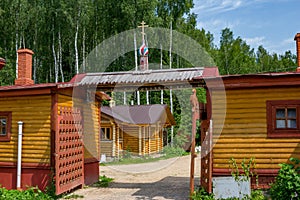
(266, 156)
(256, 140)
(255, 150)
(258, 166)
(257, 145)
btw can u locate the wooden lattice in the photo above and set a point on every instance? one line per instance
(69, 162)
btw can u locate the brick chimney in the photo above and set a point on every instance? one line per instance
(2, 63)
(24, 67)
(297, 39)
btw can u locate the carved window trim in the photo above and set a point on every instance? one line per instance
(285, 130)
(5, 126)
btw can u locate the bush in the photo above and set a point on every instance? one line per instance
(103, 181)
(201, 194)
(173, 151)
(29, 194)
(287, 182)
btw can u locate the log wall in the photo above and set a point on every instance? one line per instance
(244, 134)
(35, 113)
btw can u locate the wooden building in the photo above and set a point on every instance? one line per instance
(43, 134)
(258, 117)
(138, 129)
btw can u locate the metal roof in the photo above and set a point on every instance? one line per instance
(140, 114)
(142, 77)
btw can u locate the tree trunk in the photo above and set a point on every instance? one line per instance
(60, 57)
(55, 60)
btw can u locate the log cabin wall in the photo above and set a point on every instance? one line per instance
(131, 139)
(244, 134)
(35, 112)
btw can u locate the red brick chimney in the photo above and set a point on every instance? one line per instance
(2, 63)
(24, 67)
(297, 39)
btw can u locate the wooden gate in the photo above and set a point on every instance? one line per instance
(206, 155)
(69, 157)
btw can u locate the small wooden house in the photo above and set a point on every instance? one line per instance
(257, 117)
(43, 134)
(138, 129)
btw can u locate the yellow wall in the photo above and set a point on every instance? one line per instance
(91, 123)
(244, 134)
(34, 111)
(131, 138)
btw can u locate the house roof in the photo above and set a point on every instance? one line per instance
(140, 114)
(271, 79)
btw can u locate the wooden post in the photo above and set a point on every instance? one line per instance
(195, 116)
(140, 141)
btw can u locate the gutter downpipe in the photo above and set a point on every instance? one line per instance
(19, 162)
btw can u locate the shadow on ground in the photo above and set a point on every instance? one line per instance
(176, 188)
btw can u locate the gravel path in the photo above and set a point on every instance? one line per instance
(161, 180)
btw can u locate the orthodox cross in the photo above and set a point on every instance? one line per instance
(143, 26)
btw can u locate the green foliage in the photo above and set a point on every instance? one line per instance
(201, 94)
(201, 194)
(257, 195)
(245, 171)
(287, 182)
(103, 181)
(173, 151)
(73, 196)
(29, 194)
(127, 153)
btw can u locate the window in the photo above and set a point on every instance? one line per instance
(5, 126)
(106, 133)
(283, 118)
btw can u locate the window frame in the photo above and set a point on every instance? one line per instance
(8, 115)
(272, 131)
(104, 134)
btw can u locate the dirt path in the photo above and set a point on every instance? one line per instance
(166, 179)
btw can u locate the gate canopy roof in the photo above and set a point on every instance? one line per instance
(146, 80)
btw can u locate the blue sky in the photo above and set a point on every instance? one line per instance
(271, 23)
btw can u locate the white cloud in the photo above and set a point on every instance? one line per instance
(215, 26)
(255, 42)
(212, 7)
(281, 46)
(205, 7)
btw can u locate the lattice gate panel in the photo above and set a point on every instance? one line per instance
(69, 159)
(206, 155)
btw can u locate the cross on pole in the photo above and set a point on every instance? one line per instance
(143, 26)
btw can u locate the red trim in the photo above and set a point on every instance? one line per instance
(271, 119)
(297, 39)
(2, 63)
(35, 176)
(90, 160)
(54, 113)
(257, 80)
(210, 72)
(77, 78)
(208, 105)
(17, 92)
(91, 172)
(6, 138)
(25, 165)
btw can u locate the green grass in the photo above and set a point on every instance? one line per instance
(103, 181)
(29, 194)
(168, 152)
